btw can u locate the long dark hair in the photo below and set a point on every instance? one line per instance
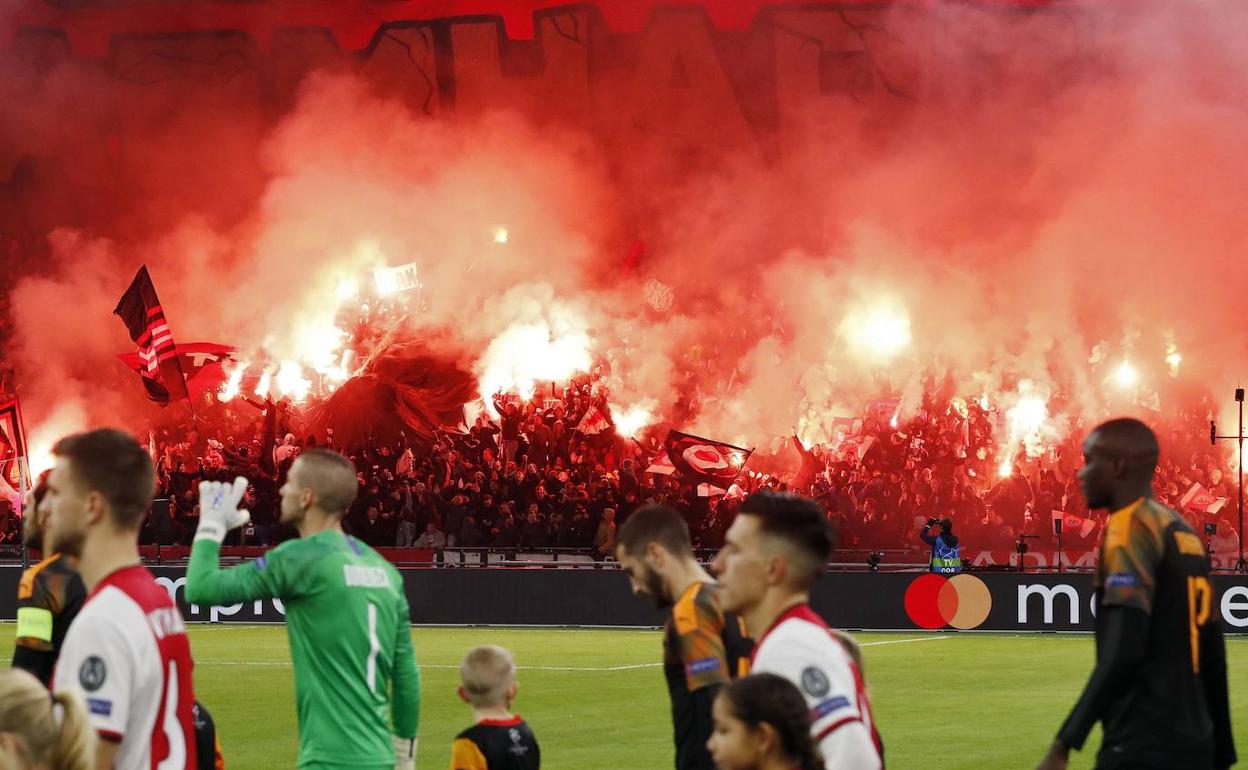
(772, 699)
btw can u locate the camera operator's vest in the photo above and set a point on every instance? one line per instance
(946, 559)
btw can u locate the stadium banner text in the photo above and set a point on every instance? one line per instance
(903, 601)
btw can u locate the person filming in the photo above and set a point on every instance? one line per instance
(946, 558)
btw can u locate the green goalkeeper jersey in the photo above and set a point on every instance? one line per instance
(350, 641)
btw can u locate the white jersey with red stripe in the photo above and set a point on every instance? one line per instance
(128, 654)
(800, 647)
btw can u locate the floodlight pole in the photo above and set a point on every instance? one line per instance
(1240, 565)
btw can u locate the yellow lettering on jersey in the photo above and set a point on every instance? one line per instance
(1199, 601)
(1189, 544)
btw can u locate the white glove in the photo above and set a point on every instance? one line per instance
(218, 508)
(404, 753)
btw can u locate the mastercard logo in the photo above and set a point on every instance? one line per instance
(935, 601)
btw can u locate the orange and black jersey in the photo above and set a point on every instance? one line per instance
(494, 744)
(49, 596)
(703, 648)
(1170, 709)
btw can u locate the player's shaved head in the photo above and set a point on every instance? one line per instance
(329, 476)
(1120, 458)
(1128, 441)
(486, 675)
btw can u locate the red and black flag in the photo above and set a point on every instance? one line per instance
(159, 366)
(703, 461)
(201, 362)
(13, 458)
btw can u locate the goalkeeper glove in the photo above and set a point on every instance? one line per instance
(218, 509)
(404, 753)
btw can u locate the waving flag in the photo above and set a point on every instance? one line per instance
(14, 472)
(159, 366)
(704, 461)
(201, 363)
(594, 422)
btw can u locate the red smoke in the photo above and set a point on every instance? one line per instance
(1038, 196)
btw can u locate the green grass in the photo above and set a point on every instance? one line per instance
(986, 700)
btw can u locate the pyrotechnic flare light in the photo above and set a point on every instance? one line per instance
(881, 332)
(893, 422)
(347, 288)
(291, 382)
(738, 458)
(1126, 376)
(262, 387)
(386, 281)
(630, 421)
(527, 354)
(501, 235)
(1173, 359)
(232, 385)
(1005, 469)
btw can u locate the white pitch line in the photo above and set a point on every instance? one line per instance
(284, 664)
(903, 641)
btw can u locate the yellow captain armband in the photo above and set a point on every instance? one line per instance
(34, 623)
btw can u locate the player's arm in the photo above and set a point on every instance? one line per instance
(1129, 563)
(1213, 678)
(831, 691)
(33, 649)
(106, 753)
(206, 582)
(405, 687)
(96, 662)
(699, 628)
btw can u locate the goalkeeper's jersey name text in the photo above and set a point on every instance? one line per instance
(365, 577)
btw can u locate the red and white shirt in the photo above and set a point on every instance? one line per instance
(800, 647)
(128, 654)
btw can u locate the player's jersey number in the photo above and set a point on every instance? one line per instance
(1199, 603)
(174, 736)
(374, 647)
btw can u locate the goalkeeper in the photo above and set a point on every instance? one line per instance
(357, 687)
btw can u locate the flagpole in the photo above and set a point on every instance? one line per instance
(23, 476)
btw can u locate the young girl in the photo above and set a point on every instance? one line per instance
(762, 723)
(39, 731)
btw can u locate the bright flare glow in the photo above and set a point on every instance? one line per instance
(1173, 358)
(386, 281)
(527, 354)
(738, 458)
(1005, 469)
(501, 235)
(291, 382)
(262, 387)
(983, 402)
(231, 387)
(1026, 424)
(1126, 376)
(879, 332)
(68, 418)
(630, 421)
(893, 422)
(347, 289)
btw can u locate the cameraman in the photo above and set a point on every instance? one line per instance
(946, 555)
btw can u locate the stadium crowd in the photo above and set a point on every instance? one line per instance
(530, 479)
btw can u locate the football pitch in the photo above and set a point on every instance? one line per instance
(597, 698)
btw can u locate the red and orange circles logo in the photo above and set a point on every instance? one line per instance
(935, 601)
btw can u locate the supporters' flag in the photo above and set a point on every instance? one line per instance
(843, 427)
(1199, 501)
(594, 422)
(13, 458)
(1073, 523)
(662, 465)
(202, 363)
(160, 368)
(703, 461)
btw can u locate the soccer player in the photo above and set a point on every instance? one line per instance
(127, 650)
(702, 648)
(346, 613)
(1159, 687)
(49, 595)
(773, 552)
(498, 740)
